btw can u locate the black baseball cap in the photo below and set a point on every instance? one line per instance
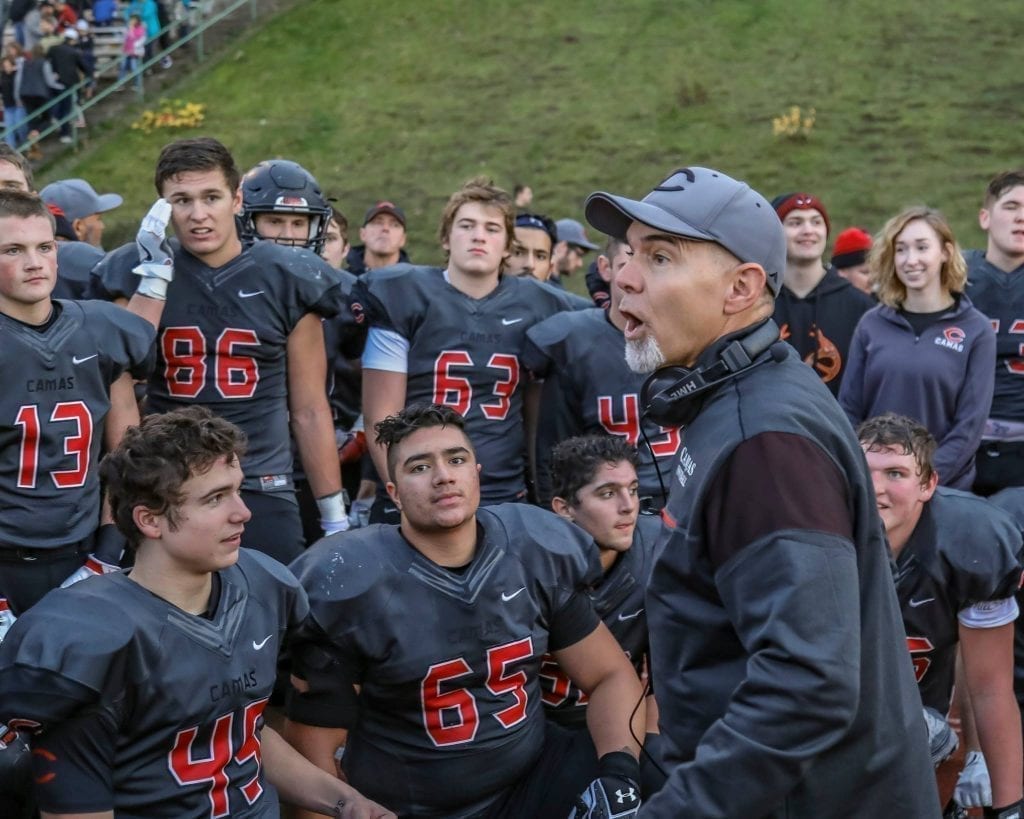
(384, 207)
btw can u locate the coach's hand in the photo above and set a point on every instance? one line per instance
(156, 261)
(974, 788)
(615, 794)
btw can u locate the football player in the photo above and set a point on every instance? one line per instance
(995, 284)
(239, 332)
(588, 388)
(455, 336)
(146, 690)
(66, 367)
(422, 651)
(957, 569)
(282, 203)
(595, 485)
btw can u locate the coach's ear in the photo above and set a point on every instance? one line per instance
(747, 283)
(562, 508)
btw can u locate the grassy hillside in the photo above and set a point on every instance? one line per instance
(383, 98)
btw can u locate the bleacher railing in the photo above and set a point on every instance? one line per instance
(195, 35)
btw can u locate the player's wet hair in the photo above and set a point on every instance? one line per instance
(396, 428)
(192, 155)
(482, 190)
(8, 154)
(892, 431)
(155, 459)
(1000, 184)
(882, 259)
(575, 462)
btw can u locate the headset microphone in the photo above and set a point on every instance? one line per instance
(670, 395)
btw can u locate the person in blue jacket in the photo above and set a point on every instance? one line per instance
(925, 352)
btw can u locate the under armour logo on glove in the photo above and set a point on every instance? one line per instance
(615, 794)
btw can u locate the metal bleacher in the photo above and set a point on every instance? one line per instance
(107, 48)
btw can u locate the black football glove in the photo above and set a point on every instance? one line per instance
(15, 765)
(615, 794)
(1014, 811)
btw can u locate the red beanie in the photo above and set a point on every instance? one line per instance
(851, 247)
(800, 201)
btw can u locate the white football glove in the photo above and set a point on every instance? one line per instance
(93, 568)
(973, 788)
(156, 261)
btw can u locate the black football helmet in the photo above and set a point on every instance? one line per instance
(283, 186)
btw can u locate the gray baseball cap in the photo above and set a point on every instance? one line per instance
(77, 198)
(702, 204)
(571, 231)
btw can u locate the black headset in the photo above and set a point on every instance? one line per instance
(669, 397)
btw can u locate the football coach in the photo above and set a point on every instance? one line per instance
(778, 657)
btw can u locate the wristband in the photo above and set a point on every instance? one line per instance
(619, 763)
(155, 278)
(332, 507)
(1014, 811)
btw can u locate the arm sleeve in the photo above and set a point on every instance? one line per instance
(989, 614)
(788, 581)
(72, 764)
(386, 350)
(575, 620)
(974, 400)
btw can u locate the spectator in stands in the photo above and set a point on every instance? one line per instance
(37, 81)
(925, 352)
(850, 257)
(147, 12)
(70, 67)
(383, 239)
(10, 92)
(164, 20)
(83, 206)
(522, 196)
(571, 247)
(66, 15)
(133, 49)
(87, 46)
(17, 13)
(104, 12)
(996, 286)
(815, 308)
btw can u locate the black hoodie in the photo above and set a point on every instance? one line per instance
(821, 324)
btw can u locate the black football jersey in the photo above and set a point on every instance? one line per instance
(186, 693)
(963, 551)
(465, 353)
(54, 401)
(619, 602)
(344, 340)
(588, 388)
(1000, 296)
(448, 662)
(223, 341)
(1011, 500)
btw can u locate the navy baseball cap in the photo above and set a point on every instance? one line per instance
(78, 199)
(384, 207)
(571, 232)
(706, 205)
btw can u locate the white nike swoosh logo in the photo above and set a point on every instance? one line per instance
(507, 597)
(76, 360)
(261, 643)
(915, 603)
(507, 322)
(624, 616)
(243, 295)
